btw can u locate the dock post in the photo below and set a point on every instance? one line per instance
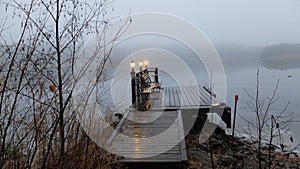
(133, 84)
(133, 92)
(140, 89)
(156, 75)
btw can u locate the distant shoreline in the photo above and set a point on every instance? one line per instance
(282, 62)
(281, 56)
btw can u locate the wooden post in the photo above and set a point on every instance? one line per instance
(236, 98)
(156, 75)
(133, 92)
(141, 88)
(133, 86)
(138, 89)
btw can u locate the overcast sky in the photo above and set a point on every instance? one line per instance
(239, 22)
(242, 22)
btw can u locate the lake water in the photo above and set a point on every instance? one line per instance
(288, 91)
(241, 75)
(240, 69)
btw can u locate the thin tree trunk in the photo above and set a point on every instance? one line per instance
(60, 93)
(86, 151)
(258, 119)
(270, 142)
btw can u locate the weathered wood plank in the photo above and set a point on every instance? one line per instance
(195, 95)
(177, 92)
(143, 140)
(182, 143)
(136, 137)
(184, 97)
(188, 95)
(118, 128)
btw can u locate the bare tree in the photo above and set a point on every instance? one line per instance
(279, 126)
(13, 70)
(37, 71)
(265, 116)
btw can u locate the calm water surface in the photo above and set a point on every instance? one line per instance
(288, 91)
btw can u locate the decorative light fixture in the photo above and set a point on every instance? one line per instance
(133, 85)
(141, 65)
(132, 65)
(146, 63)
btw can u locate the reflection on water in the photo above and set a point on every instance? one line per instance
(281, 56)
(282, 63)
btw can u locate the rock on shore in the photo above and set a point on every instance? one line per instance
(237, 154)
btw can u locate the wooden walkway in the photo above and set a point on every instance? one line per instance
(151, 136)
(157, 135)
(187, 97)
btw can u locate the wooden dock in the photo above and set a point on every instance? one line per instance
(141, 141)
(156, 137)
(187, 97)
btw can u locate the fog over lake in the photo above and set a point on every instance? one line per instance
(240, 30)
(240, 64)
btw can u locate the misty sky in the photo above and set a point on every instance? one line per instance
(243, 22)
(239, 22)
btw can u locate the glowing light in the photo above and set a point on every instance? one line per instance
(141, 63)
(146, 63)
(136, 133)
(132, 64)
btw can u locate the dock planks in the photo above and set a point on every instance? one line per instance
(157, 135)
(186, 97)
(151, 136)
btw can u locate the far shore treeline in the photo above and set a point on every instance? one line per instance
(281, 56)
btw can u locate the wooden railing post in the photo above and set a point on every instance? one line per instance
(133, 88)
(156, 75)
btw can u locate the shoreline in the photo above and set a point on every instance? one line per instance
(237, 154)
